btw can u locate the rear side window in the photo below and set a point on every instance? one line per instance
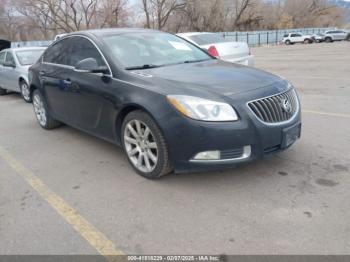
(58, 53)
(286, 35)
(82, 48)
(2, 57)
(9, 58)
(207, 39)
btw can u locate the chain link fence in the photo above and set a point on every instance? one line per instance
(257, 38)
(253, 38)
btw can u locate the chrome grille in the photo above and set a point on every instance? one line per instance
(276, 109)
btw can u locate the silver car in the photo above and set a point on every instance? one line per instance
(220, 47)
(14, 65)
(336, 35)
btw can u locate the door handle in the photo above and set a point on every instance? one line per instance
(42, 73)
(67, 82)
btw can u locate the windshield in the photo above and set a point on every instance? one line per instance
(146, 50)
(207, 39)
(28, 57)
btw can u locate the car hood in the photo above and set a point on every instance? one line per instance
(215, 76)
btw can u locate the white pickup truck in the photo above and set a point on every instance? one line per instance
(293, 38)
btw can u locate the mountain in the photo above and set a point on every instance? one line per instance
(343, 4)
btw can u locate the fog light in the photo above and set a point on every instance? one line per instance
(208, 155)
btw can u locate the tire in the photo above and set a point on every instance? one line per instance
(2, 91)
(328, 40)
(147, 153)
(307, 41)
(348, 38)
(25, 91)
(288, 42)
(41, 112)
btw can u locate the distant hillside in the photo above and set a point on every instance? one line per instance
(343, 4)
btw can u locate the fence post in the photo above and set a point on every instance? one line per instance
(259, 39)
(236, 36)
(276, 37)
(267, 38)
(248, 38)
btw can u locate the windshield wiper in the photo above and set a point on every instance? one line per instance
(146, 66)
(196, 61)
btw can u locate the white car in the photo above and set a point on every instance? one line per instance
(59, 36)
(293, 38)
(220, 47)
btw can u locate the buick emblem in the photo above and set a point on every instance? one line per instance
(286, 106)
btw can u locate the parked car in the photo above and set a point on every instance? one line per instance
(318, 38)
(293, 38)
(169, 104)
(336, 35)
(14, 64)
(59, 36)
(221, 47)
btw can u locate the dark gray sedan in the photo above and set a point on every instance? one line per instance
(169, 104)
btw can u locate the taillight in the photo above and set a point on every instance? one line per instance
(213, 51)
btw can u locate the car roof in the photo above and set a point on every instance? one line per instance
(112, 31)
(26, 48)
(193, 33)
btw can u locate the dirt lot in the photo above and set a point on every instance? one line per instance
(65, 192)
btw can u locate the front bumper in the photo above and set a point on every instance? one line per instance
(187, 137)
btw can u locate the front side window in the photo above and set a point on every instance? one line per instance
(2, 57)
(57, 53)
(82, 48)
(28, 57)
(143, 50)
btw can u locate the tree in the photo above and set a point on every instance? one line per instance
(158, 12)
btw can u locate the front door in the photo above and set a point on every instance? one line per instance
(90, 92)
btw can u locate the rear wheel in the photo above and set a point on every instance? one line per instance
(25, 91)
(2, 91)
(41, 112)
(288, 42)
(307, 41)
(145, 146)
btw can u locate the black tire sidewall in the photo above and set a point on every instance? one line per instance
(163, 156)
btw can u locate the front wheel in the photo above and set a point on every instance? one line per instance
(41, 112)
(288, 42)
(25, 91)
(307, 41)
(145, 146)
(328, 39)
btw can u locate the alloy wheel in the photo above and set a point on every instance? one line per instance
(39, 109)
(25, 91)
(141, 146)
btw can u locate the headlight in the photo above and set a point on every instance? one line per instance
(203, 109)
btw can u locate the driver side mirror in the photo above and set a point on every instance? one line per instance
(9, 64)
(90, 65)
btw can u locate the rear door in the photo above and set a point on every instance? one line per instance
(2, 60)
(54, 75)
(9, 74)
(341, 35)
